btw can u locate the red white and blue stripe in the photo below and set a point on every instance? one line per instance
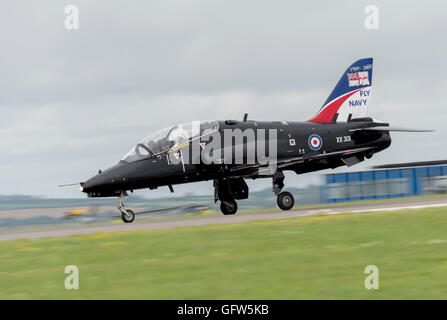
(356, 78)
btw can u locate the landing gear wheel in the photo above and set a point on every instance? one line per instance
(228, 207)
(128, 216)
(285, 200)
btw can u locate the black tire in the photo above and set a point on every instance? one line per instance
(228, 207)
(285, 200)
(129, 217)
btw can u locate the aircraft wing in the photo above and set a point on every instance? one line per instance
(387, 128)
(311, 156)
(318, 156)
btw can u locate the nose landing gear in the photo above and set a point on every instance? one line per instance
(127, 215)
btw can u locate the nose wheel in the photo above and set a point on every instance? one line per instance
(127, 215)
(285, 200)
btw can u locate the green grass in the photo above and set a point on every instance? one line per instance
(312, 257)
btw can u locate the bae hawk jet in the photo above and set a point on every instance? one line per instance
(342, 133)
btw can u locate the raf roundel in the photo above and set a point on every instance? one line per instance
(315, 142)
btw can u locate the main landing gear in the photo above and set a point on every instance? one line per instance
(227, 191)
(231, 189)
(127, 215)
(284, 199)
(228, 207)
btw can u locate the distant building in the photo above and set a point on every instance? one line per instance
(387, 181)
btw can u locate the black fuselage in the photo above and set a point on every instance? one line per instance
(294, 152)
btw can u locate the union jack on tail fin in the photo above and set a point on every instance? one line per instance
(351, 96)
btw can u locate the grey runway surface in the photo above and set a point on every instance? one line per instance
(150, 224)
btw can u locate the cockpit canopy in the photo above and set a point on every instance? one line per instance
(165, 139)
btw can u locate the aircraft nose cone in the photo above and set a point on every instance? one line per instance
(91, 184)
(106, 183)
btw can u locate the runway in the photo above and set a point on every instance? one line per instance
(151, 224)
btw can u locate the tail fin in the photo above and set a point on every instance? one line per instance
(351, 96)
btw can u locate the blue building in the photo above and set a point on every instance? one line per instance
(387, 181)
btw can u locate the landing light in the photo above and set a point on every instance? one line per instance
(81, 188)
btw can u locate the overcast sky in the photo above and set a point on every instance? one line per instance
(75, 101)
